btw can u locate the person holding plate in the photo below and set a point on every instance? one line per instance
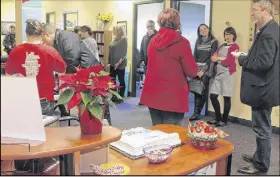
(223, 81)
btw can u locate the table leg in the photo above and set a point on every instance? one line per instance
(66, 165)
(229, 165)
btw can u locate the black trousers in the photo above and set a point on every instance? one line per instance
(120, 73)
(261, 123)
(199, 100)
(165, 117)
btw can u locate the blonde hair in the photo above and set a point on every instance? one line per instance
(266, 4)
(119, 32)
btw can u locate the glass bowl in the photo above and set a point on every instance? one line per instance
(158, 153)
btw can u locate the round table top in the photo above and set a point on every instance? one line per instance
(60, 141)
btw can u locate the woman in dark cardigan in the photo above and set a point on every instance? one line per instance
(205, 46)
(117, 58)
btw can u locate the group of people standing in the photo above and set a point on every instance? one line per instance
(171, 61)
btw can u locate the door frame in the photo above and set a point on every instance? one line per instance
(134, 41)
(176, 5)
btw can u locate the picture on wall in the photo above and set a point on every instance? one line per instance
(124, 25)
(5, 25)
(70, 20)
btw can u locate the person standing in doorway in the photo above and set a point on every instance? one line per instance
(151, 32)
(9, 41)
(260, 84)
(205, 46)
(117, 59)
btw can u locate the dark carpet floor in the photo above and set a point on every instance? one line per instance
(129, 115)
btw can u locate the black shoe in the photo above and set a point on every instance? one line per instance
(220, 124)
(211, 121)
(195, 116)
(140, 104)
(251, 170)
(247, 158)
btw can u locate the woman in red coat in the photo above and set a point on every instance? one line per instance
(171, 61)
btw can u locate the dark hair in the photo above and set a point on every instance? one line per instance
(33, 27)
(86, 28)
(199, 37)
(77, 29)
(232, 31)
(169, 18)
(12, 26)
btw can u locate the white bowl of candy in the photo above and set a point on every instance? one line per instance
(158, 153)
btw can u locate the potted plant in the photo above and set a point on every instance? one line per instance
(106, 19)
(90, 90)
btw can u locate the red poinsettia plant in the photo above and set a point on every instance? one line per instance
(89, 88)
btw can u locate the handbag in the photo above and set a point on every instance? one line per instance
(196, 86)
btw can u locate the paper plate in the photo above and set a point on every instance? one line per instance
(110, 165)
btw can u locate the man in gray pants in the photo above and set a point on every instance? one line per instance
(260, 84)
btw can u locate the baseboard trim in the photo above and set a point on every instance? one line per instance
(245, 122)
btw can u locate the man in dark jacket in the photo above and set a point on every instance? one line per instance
(260, 83)
(146, 40)
(9, 41)
(145, 43)
(71, 48)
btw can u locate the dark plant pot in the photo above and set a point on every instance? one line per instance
(89, 124)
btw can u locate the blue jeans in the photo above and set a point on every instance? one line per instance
(261, 123)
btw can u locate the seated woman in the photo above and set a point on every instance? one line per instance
(34, 59)
(170, 62)
(223, 81)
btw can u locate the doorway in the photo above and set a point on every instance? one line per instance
(143, 11)
(193, 13)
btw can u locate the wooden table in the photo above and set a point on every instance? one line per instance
(65, 142)
(183, 160)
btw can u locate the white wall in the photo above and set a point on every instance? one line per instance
(146, 12)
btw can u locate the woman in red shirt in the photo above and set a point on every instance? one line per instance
(34, 59)
(166, 89)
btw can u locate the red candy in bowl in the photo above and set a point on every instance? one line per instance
(204, 136)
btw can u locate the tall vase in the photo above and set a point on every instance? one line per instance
(88, 123)
(106, 26)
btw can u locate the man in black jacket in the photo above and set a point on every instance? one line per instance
(71, 48)
(145, 43)
(9, 41)
(260, 83)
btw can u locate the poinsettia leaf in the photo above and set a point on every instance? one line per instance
(76, 99)
(64, 85)
(95, 69)
(82, 109)
(99, 99)
(86, 97)
(111, 103)
(68, 78)
(93, 101)
(109, 96)
(103, 73)
(116, 94)
(65, 96)
(96, 110)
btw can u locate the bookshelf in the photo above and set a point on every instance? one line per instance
(103, 40)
